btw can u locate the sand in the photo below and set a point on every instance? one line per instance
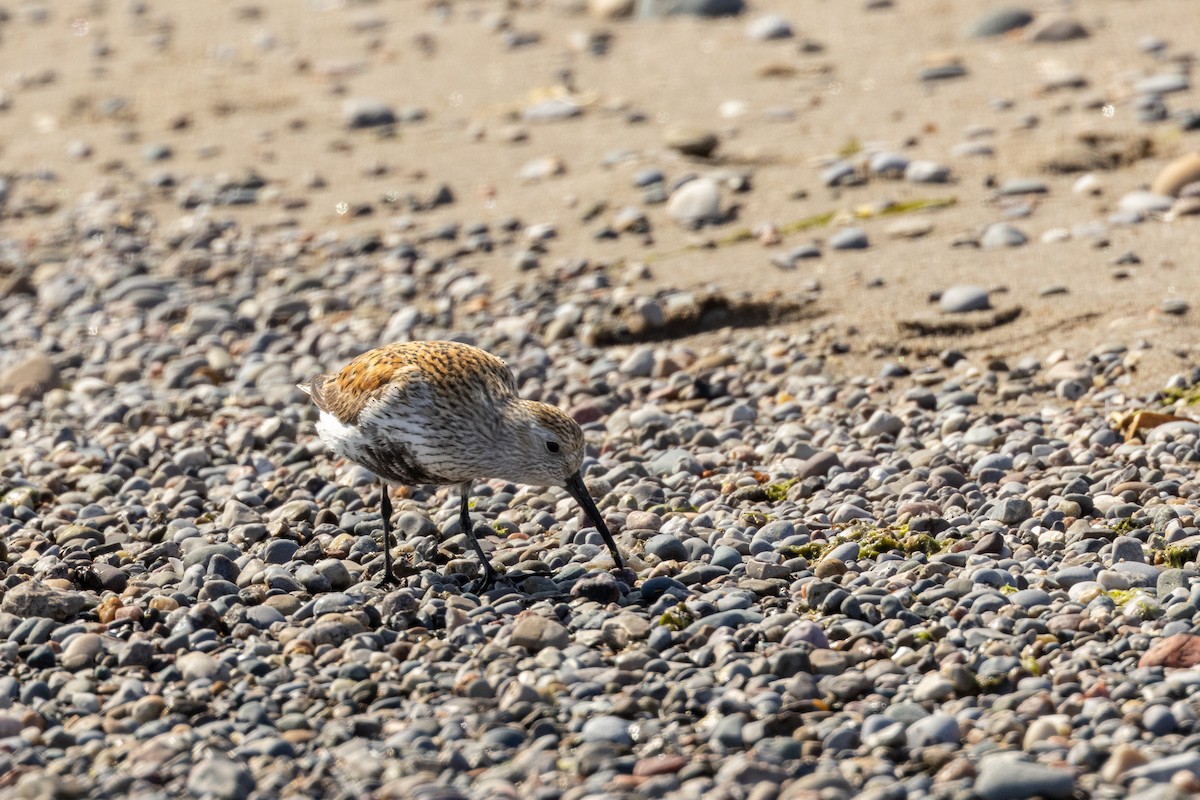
(234, 88)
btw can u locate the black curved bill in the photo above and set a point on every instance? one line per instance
(580, 493)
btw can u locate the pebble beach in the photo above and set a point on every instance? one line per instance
(877, 317)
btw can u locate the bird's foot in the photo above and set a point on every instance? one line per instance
(397, 574)
(625, 575)
(487, 581)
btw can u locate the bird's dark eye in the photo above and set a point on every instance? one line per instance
(552, 447)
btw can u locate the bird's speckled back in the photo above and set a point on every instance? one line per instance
(443, 371)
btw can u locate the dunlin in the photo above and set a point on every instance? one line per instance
(447, 413)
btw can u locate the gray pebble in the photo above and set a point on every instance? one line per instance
(849, 239)
(1001, 234)
(961, 299)
(769, 26)
(999, 21)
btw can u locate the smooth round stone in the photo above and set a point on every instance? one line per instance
(504, 737)
(848, 512)
(933, 730)
(1171, 579)
(734, 618)
(552, 109)
(1139, 574)
(199, 666)
(1019, 186)
(1141, 202)
(888, 164)
(645, 177)
(1125, 548)
(973, 150)
(367, 113)
(695, 202)
(157, 152)
(839, 173)
(205, 554)
(1004, 777)
(727, 733)
(881, 423)
(1057, 29)
(607, 729)
(961, 299)
(82, 651)
(540, 169)
(667, 547)
(1012, 510)
(220, 778)
(999, 21)
(1002, 234)
(849, 239)
(769, 26)
(279, 551)
(997, 461)
(1029, 598)
(934, 687)
(694, 8)
(797, 254)
(725, 557)
(927, 172)
(909, 228)
(942, 72)
(1069, 576)
(1175, 306)
(691, 141)
(263, 617)
(1159, 720)
(1162, 769)
(844, 552)
(1162, 84)
(1055, 236)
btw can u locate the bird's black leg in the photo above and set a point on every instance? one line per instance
(489, 574)
(385, 507)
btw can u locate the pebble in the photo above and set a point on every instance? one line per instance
(768, 27)
(888, 164)
(221, 778)
(695, 202)
(35, 599)
(1000, 21)
(540, 169)
(691, 141)
(366, 112)
(1056, 29)
(1001, 234)
(695, 8)
(30, 379)
(552, 109)
(1162, 84)
(1141, 203)
(914, 228)
(535, 633)
(1020, 186)
(926, 172)
(610, 9)
(1003, 777)
(961, 299)
(607, 729)
(849, 239)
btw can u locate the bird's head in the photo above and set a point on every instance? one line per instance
(550, 446)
